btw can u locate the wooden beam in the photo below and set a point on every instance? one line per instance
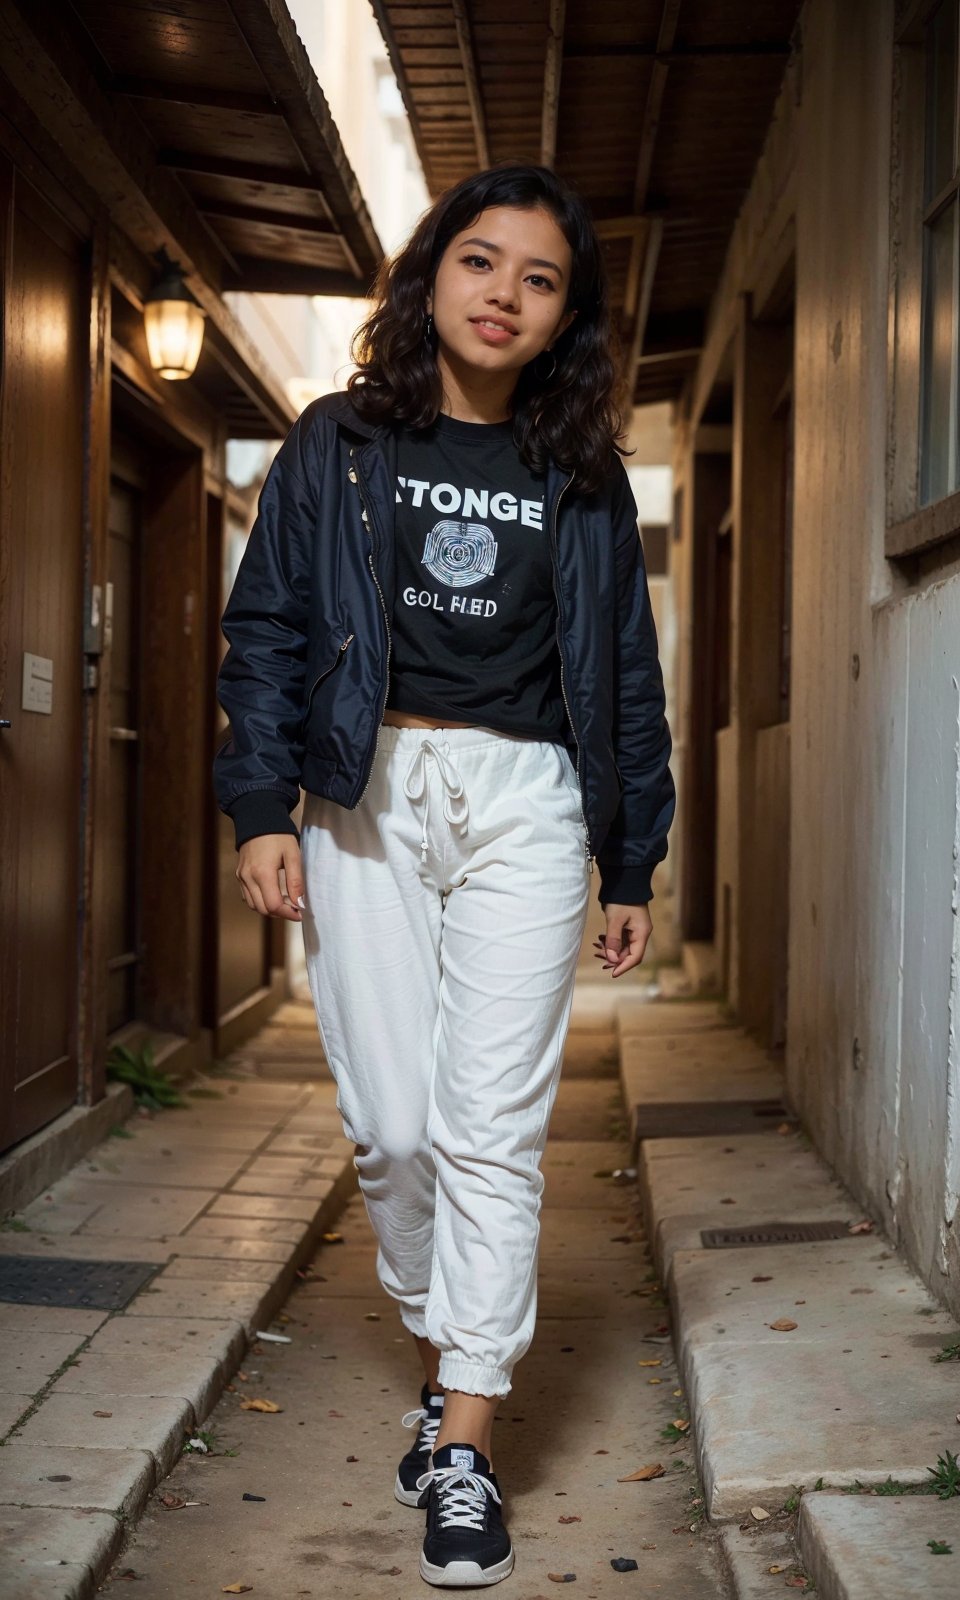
(651, 256)
(185, 94)
(669, 18)
(673, 58)
(58, 83)
(214, 166)
(395, 57)
(551, 82)
(285, 66)
(296, 277)
(469, 61)
(232, 211)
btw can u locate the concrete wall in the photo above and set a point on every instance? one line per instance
(874, 772)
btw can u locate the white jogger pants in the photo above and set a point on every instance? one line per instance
(444, 920)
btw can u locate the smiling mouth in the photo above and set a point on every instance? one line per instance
(495, 327)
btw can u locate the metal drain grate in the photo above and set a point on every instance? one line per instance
(773, 1233)
(55, 1281)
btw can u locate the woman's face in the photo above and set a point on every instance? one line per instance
(510, 266)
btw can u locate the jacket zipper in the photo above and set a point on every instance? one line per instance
(386, 622)
(327, 670)
(563, 687)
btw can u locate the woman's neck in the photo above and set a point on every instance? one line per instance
(470, 395)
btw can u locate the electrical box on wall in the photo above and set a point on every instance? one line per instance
(37, 692)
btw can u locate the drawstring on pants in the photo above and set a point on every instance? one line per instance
(415, 786)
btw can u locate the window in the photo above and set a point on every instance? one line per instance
(924, 425)
(941, 208)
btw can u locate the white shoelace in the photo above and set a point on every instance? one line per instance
(431, 1427)
(464, 1496)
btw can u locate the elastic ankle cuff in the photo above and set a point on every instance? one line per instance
(473, 1377)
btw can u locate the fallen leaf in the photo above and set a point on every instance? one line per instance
(601, 1452)
(332, 1238)
(103, 1413)
(782, 1325)
(643, 1474)
(261, 1497)
(658, 1362)
(776, 1568)
(259, 1405)
(569, 1519)
(562, 1577)
(761, 1277)
(353, 1458)
(759, 1514)
(392, 1572)
(172, 1502)
(237, 1588)
(728, 1202)
(795, 1583)
(863, 1226)
(654, 1380)
(373, 1316)
(681, 1424)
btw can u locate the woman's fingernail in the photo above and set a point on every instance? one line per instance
(300, 903)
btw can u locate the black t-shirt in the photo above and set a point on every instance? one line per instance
(474, 625)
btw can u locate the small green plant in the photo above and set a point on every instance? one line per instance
(203, 1442)
(673, 1433)
(818, 1484)
(950, 1352)
(939, 1548)
(118, 1131)
(151, 1086)
(15, 1225)
(793, 1502)
(946, 1476)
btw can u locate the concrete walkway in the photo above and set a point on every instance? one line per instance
(221, 1201)
(589, 1406)
(811, 1366)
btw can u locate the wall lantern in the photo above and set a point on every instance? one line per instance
(174, 322)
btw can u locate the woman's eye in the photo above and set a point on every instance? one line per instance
(468, 260)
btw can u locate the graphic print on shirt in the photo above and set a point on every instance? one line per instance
(459, 553)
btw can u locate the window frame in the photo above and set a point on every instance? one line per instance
(912, 527)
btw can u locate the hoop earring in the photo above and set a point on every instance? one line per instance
(546, 376)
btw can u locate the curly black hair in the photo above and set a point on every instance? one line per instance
(575, 416)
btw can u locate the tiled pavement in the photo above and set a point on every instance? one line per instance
(227, 1197)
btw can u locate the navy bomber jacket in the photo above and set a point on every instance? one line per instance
(304, 679)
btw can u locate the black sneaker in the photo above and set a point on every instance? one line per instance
(465, 1542)
(429, 1415)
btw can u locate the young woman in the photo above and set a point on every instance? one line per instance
(441, 630)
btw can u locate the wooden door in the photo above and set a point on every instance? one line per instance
(45, 278)
(121, 838)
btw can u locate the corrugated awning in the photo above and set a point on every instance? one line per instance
(654, 110)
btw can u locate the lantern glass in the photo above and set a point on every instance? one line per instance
(174, 331)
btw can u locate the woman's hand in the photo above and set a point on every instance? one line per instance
(623, 945)
(261, 861)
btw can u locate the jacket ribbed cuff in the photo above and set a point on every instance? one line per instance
(260, 811)
(625, 885)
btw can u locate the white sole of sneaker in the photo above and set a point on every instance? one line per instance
(465, 1574)
(407, 1497)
